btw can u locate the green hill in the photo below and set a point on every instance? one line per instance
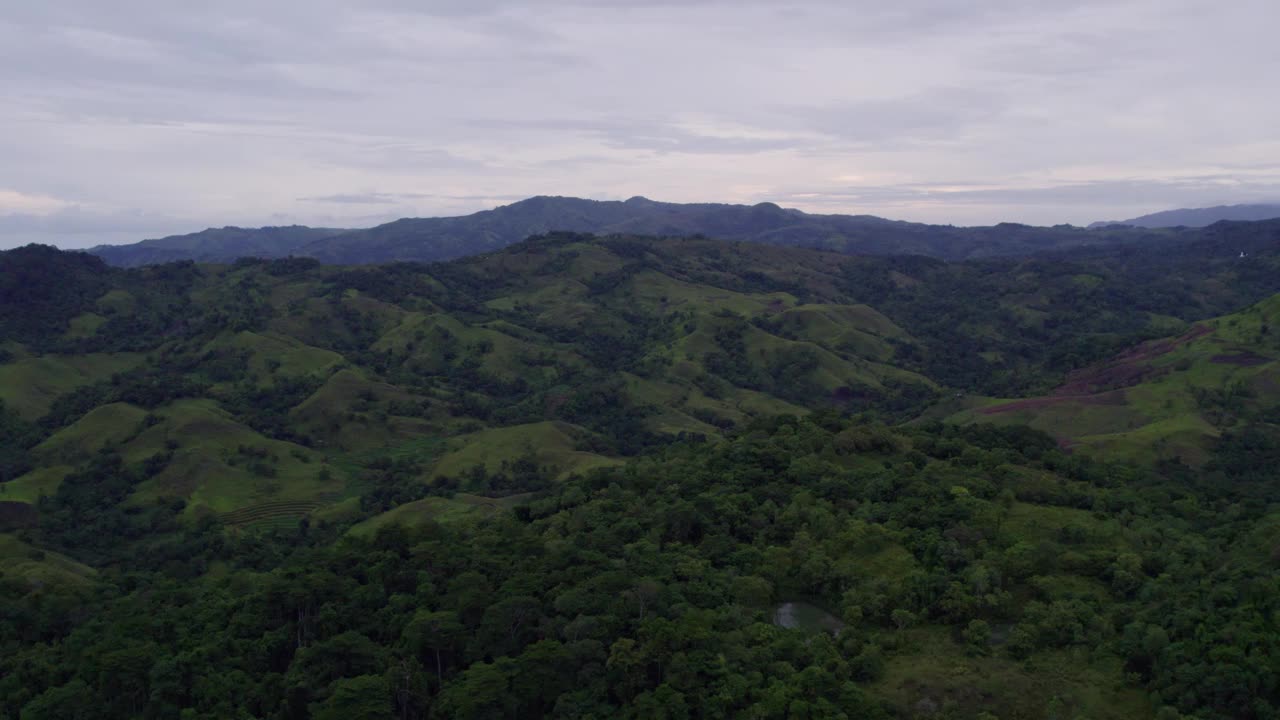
(1166, 399)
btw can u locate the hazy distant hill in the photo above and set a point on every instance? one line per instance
(1199, 217)
(214, 245)
(445, 238)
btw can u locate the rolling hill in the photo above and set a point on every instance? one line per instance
(623, 341)
(437, 488)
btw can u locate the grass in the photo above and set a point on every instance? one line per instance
(1027, 520)
(104, 425)
(30, 385)
(1162, 416)
(293, 356)
(855, 329)
(419, 512)
(445, 511)
(552, 444)
(41, 481)
(210, 471)
(41, 568)
(117, 301)
(933, 675)
(345, 413)
(655, 291)
(85, 325)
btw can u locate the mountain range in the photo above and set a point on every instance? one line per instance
(445, 238)
(1198, 217)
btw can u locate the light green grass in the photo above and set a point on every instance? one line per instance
(84, 325)
(855, 329)
(208, 470)
(41, 568)
(117, 301)
(419, 512)
(343, 415)
(654, 291)
(30, 385)
(294, 357)
(550, 443)
(30, 487)
(445, 511)
(934, 671)
(104, 425)
(1162, 417)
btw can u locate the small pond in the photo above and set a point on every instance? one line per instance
(800, 615)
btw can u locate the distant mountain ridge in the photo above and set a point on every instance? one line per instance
(446, 238)
(215, 245)
(1199, 217)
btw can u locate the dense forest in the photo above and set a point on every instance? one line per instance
(626, 476)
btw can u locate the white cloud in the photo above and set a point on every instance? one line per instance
(12, 201)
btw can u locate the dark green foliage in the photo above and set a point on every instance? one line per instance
(266, 409)
(16, 438)
(648, 588)
(43, 288)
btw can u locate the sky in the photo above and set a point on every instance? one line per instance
(131, 119)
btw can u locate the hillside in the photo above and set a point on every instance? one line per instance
(445, 238)
(641, 460)
(1198, 217)
(1167, 399)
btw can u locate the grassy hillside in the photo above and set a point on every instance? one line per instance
(630, 342)
(1167, 399)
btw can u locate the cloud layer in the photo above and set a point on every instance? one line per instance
(138, 118)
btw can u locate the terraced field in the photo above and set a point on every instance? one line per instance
(272, 514)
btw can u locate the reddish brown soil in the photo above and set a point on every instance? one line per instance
(1113, 397)
(1129, 368)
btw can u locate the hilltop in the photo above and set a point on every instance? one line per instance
(445, 238)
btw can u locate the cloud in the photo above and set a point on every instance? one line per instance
(244, 112)
(366, 198)
(14, 201)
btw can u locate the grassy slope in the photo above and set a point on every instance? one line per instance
(30, 385)
(459, 508)
(39, 568)
(1162, 399)
(550, 443)
(211, 471)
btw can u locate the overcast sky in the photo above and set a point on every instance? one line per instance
(126, 119)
